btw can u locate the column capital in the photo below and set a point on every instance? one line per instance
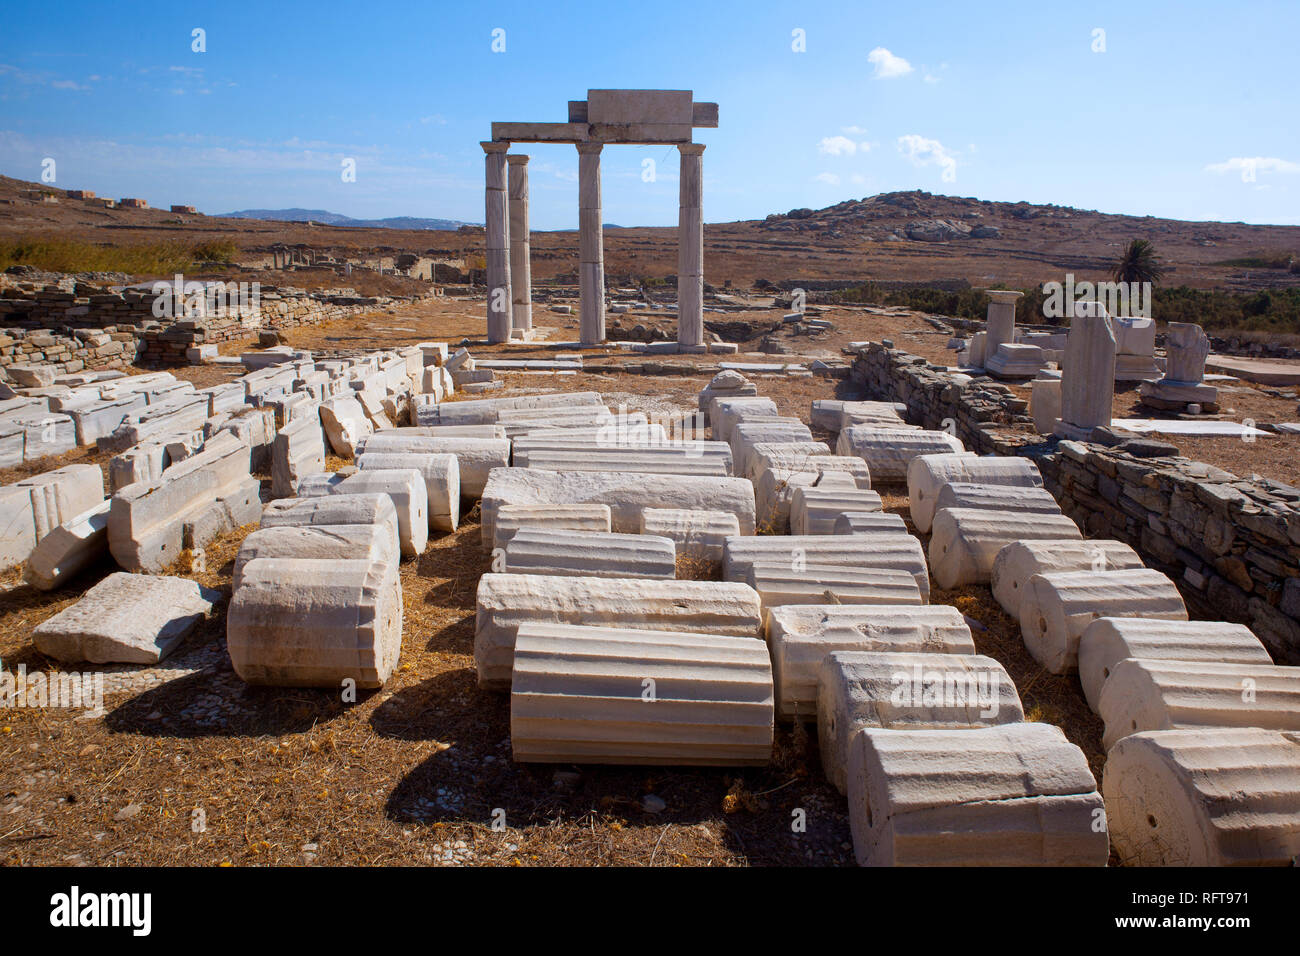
(691, 149)
(590, 148)
(495, 146)
(517, 159)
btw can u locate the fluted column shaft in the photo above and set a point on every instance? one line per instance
(497, 241)
(591, 247)
(690, 246)
(521, 284)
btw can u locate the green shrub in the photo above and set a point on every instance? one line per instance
(67, 255)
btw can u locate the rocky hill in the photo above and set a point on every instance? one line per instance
(893, 237)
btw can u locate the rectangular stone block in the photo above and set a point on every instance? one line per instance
(146, 523)
(32, 508)
(126, 618)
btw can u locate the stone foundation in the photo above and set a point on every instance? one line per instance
(1232, 545)
(74, 327)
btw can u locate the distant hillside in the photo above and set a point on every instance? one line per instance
(325, 217)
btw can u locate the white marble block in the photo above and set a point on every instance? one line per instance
(513, 518)
(455, 431)
(869, 522)
(1008, 795)
(815, 509)
(505, 601)
(1057, 606)
(689, 459)
(590, 554)
(927, 474)
(1108, 640)
(725, 413)
(1045, 404)
(774, 490)
(699, 535)
(126, 618)
(745, 435)
(1153, 694)
(298, 450)
(902, 690)
(475, 457)
(726, 384)
(788, 454)
(884, 414)
(1019, 561)
(405, 486)
(67, 549)
(800, 635)
(625, 494)
(345, 423)
(484, 411)
(33, 507)
(441, 476)
(1088, 373)
(312, 623)
(896, 552)
(964, 494)
(964, 542)
(1209, 796)
(778, 583)
(369, 542)
(889, 451)
(338, 509)
(612, 695)
(150, 523)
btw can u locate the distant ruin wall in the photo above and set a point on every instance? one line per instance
(108, 330)
(1232, 546)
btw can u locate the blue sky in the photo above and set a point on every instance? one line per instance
(1189, 112)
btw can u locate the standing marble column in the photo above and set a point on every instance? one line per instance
(690, 247)
(497, 224)
(521, 276)
(1001, 320)
(591, 247)
(1088, 378)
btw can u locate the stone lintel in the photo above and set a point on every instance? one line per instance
(540, 132)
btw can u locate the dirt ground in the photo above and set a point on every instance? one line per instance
(200, 769)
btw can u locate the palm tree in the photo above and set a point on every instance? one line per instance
(1139, 263)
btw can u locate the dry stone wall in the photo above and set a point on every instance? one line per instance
(78, 327)
(1232, 545)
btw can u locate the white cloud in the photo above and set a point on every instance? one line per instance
(887, 65)
(858, 179)
(1259, 164)
(837, 146)
(853, 130)
(830, 179)
(931, 79)
(928, 152)
(43, 78)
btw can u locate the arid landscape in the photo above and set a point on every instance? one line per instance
(911, 237)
